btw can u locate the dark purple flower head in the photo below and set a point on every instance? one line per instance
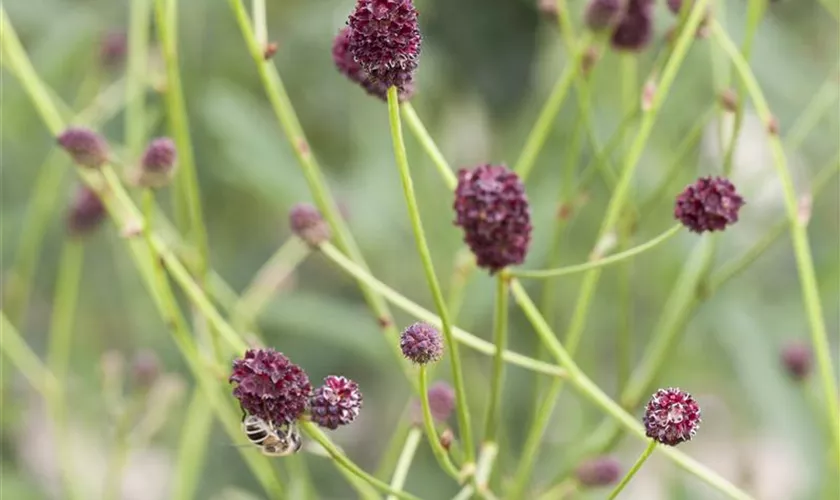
(112, 49)
(672, 416)
(348, 67)
(384, 39)
(421, 343)
(335, 403)
(86, 212)
(270, 386)
(710, 204)
(308, 224)
(158, 163)
(145, 368)
(635, 28)
(603, 14)
(597, 472)
(797, 359)
(492, 208)
(441, 403)
(86, 147)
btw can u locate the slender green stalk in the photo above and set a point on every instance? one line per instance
(832, 8)
(799, 235)
(137, 70)
(497, 379)
(341, 460)
(633, 470)
(419, 130)
(462, 270)
(560, 491)
(26, 361)
(624, 331)
(484, 467)
(192, 447)
(605, 261)
(112, 489)
(404, 462)
(440, 453)
(822, 102)
(58, 353)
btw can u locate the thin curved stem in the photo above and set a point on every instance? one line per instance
(612, 259)
(633, 470)
(405, 459)
(137, 73)
(464, 423)
(497, 378)
(440, 453)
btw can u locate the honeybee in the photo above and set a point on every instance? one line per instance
(272, 440)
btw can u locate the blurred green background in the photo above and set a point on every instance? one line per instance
(486, 69)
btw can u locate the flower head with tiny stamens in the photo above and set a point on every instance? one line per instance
(86, 147)
(158, 163)
(308, 224)
(385, 40)
(347, 66)
(492, 209)
(672, 416)
(597, 472)
(421, 343)
(270, 386)
(797, 359)
(335, 403)
(86, 212)
(710, 204)
(635, 28)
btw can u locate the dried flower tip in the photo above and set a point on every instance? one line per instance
(710, 204)
(597, 472)
(86, 212)
(446, 439)
(385, 40)
(112, 49)
(158, 163)
(603, 14)
(773, 126)
(270, 386)
(635, 28)
(145, 368)
(492, 209)
(269, 50)
(648, 94)
(590, 57)
(804, 209)
(86, 147)
(421, 343)
(672, 417)
(335, 403)
(797, 359)
(441, 403)
(308, 224)
(729, 100)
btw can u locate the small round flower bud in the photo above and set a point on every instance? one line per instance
(446, 438)
(421, 343)
(385, 40)
(492, 208)
(270, 386)
(112, 49)
(441, 403)
(710, 204)
(86, 147)
(158, 163)
(635, 28)
(729, 100)
(797, 359)
(603, 14)
(145, 368)
(335, 403)
(598, 472)
(86, 212)
(308, 224)
(347, 66)
(672, 417)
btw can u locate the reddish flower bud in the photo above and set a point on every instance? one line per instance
(797, 359)
(145, 368)
(86, 212)
(385, 40)
(308, 224)
(86, 147)
(112, 49)
(597, 472)
(270, 386)
(158, 163)
(603, 14)
(421, 343)
(335, 403)
(672, 417)
(441, 403)
(635, 28)
(492, 208)
(348, 67)
(710, 204)
(446, 438)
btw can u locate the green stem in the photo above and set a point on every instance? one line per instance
(192, 447)
(633, 470)
(497, 378)
(341, 460)
(137, 67)
(26, 361)
(464, 423)
(822, 102)
(419, 130)
(484, 467)
(440, 453)
(605, 261)
(404, 462)
(462, 270)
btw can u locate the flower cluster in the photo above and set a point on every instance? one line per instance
(347, 66)
(672, 416)
(710, 204)
(335, 403)
(86, 147)
(635, 26)
(597, 472)
(492, 209)
(86, 212)
(421, 343)
(441, 403)
(157, 164)
(307, 223)
(797, 359)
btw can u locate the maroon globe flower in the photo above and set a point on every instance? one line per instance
(492, 208)
(597, 472)
(385, 40)
(347, 66)
(158, 163)
(603, 14)
(441, 403)
(635, 28)
(710, 204)
(86, 212)
(672, 416)
(270, 386)
(308, 224)
(335, 403)
(86, 147)
(797, 359)
(421, 343)
(113, 47)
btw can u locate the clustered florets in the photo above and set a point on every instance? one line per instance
(335, 403)
(672, 416)
(86, 147)
(710, 204)
(158, 163)
(86, 212)
(384, 39)
(307, 223)
(492, 209)
(421, 343)
(635, 27)
(348, 67)
(270, 386)
(797, 359)
(597, 472)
